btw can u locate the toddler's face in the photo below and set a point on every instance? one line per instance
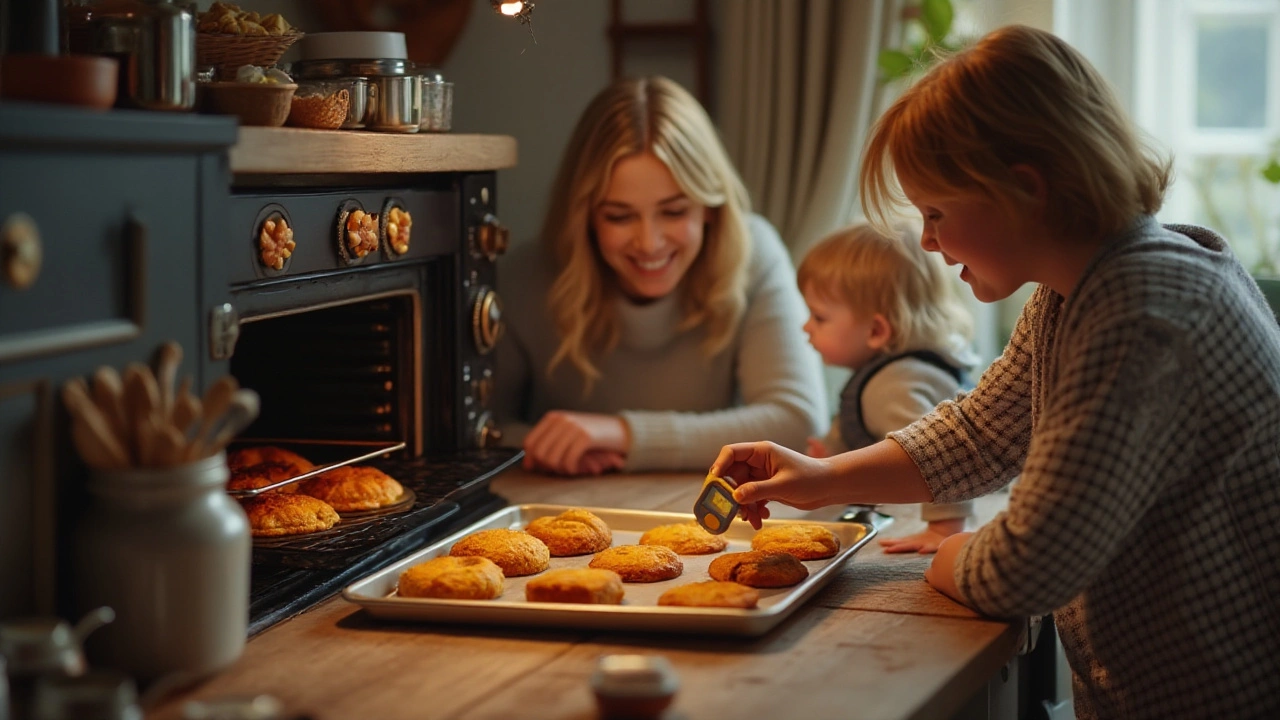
(842, 337)
(648, 230)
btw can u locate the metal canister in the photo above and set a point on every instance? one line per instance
(155, 42)
(395, 89)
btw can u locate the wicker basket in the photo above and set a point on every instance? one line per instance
(319, 110)
(229, 52)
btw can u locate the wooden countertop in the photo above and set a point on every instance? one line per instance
(877, 642)
(265, 150)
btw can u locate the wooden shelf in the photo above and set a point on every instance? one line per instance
(299, 151)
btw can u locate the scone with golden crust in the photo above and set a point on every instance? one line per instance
(276, 514)
(455, 578)
(711, 593)
(244, 457)
(685, 538)
(263, 474)
(354, 487)
(590, 586)
(640, 563)
(806, 542)
(573, 532)
(759, 569)
(515, 551)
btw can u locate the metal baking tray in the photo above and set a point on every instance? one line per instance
(640, 610)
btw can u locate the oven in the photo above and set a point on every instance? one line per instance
(356, 341)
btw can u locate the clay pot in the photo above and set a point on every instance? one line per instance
(84, 80)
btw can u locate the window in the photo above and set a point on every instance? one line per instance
(1206, 85)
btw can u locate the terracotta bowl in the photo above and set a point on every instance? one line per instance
(84, 80)
(263, 104)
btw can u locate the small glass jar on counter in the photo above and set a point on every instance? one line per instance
(170, 551)
(437, 102)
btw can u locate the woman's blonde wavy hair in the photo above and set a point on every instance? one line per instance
(631, 116)
(1018, 96)
(892, 275)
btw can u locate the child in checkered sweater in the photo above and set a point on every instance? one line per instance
(884, 308)
(1138, 401)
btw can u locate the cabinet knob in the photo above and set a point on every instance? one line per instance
(22, 251)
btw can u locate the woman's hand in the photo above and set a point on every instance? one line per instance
(942, 571)
(765, 471)
(575, 443)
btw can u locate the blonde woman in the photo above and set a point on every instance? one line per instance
(884, 308)
(656, 319)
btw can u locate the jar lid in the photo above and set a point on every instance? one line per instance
(315, 69)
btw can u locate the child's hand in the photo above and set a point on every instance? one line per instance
(817, 448)
(924, 542)
(942, 571)
(561, 441)
(765, 471)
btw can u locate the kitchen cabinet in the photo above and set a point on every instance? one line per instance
(106, 251)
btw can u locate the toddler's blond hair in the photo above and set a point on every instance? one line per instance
(890, 275)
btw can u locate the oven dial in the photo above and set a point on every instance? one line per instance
(486, 320)
(487, 433)
(491, 237)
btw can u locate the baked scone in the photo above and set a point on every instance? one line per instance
(573, 532)
(263, 474)
(685, 538)
(455, 578)
(759, 569)
(590, 586)
(711, 593)
(276, 514)
(639, 563)
(244, 457)
(358, 487)
(806, 542)
(515, 551)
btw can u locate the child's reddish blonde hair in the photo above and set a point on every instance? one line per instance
(892, 275)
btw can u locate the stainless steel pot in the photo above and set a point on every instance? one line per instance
(155, 42)
(395, 89)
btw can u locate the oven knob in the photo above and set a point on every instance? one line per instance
(491, 237)
(487, 433)
(486, 320)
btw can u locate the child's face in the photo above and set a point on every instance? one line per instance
(842, 337)
(648, 230)
(977, 233)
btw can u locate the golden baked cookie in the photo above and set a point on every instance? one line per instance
(455, 578)
(351, 487)
(244, 457)
(262, 475)
(276, 514)
(640, 563)
(685, 538)
(576, 585)
(806, 542)
(573, 532)
(515, 551)
(711, 593)
(759, 569)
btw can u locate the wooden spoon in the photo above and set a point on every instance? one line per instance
(168, 359)
(216, 400)
(96, 443)
(108, 394)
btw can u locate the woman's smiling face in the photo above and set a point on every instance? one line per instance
(647, 229)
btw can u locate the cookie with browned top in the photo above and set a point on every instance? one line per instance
(759, 569)
(685, 538)
(592, 586)
(640, 563)
(354, 487)
(515, 551)
(711, 593)
(262, 475)
(573, 532)
(455, 578)
(806, 542)
(245, 457)
(276, 514)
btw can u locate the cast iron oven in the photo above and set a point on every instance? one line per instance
(353, 345)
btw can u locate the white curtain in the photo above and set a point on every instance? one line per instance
(797, 91)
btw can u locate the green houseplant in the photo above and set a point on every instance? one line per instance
(928, 29)
(1269, 278)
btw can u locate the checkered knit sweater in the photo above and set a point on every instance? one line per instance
(1142, 416)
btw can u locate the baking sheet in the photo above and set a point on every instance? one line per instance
(639, 611)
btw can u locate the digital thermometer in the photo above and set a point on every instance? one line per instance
(715, 507)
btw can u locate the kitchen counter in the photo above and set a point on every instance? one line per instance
(274, 151)
(877, 642)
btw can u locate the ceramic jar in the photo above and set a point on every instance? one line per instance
(169, 550)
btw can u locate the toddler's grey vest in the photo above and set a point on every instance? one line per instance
(853, 430)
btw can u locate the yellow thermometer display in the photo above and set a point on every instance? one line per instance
(715, 507)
